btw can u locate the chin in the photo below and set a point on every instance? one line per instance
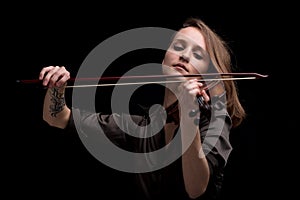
(170, 71)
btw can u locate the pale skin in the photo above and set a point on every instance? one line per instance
(184, 56)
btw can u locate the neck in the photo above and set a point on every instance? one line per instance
(170, 96)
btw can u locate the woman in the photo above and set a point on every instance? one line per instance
(205, 145)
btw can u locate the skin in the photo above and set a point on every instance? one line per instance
(186, 55)
(55, 78)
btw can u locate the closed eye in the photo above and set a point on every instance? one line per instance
(178, 47)
(198, 56)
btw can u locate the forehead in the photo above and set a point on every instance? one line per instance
(191, 35)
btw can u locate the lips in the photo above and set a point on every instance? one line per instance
(180, 66)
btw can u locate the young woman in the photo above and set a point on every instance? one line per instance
(203, 131)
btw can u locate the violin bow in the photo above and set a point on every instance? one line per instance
(208, 77)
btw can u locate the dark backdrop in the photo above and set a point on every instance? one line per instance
(53, 163)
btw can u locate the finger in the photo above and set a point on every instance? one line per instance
(193, 83)
(62, 77)
(49, 78)
(205, 95)
(195, 92)
(190, 81)
(44, 71)
(45, 74)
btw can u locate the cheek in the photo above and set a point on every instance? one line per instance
(169, 58)
(200, 66)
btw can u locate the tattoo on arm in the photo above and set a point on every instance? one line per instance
(58, 102)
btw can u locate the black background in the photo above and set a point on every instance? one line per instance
(48, 162)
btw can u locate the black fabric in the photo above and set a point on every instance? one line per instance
(168, 181)
(173, 113)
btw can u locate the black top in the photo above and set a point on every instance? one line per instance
(166, 182)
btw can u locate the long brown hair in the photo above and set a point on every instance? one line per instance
(220, 56)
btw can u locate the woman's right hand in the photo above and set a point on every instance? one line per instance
(54, 76)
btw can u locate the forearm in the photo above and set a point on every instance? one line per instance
(195, 169)
(55, 111)
(194, 164)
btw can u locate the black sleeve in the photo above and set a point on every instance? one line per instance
(215, 133)
(88, 124)
(216, 146)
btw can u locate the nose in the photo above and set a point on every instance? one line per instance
(184, 56)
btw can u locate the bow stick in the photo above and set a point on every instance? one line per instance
(208, 77)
